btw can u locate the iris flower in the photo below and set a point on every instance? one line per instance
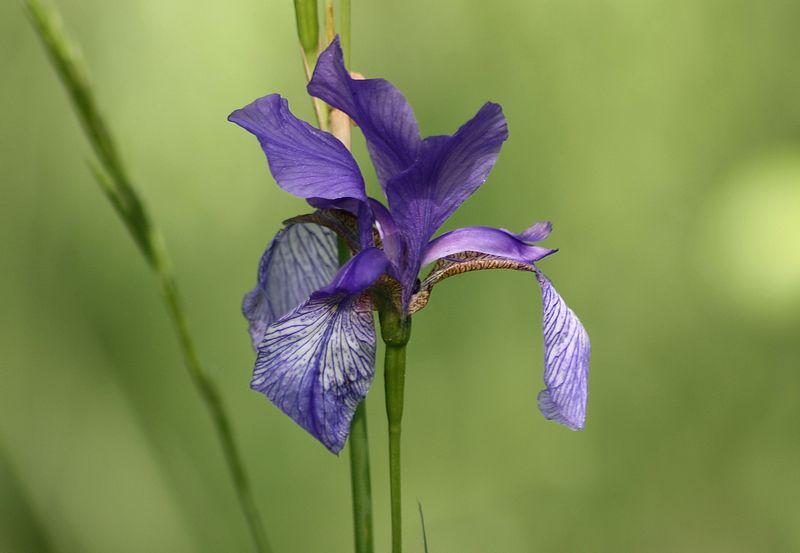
(310, 320)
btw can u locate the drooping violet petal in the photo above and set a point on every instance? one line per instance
(300, 259)
(488, 240)
(304, 161)
(317, 363)
(379, 109)
(537, 231)
(566, 360)
(447, 171)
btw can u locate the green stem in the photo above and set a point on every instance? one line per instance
(344, 30)
(360, 481)
(114, 181)
(396, 331)
(358, 444)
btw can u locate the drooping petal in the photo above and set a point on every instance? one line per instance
(492, 241)
(379, 109)
(447, 171)
(566, 360)
(301, 259)
(304, 161)
(317, 362)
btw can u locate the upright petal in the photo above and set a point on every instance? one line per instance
(448, 170)
(301, 259)
(491, 241)
(304, 161)
(384, 115)
(317, 363)
(566, 360)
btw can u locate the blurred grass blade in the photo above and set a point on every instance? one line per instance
(424, 533)
(307, 27)
(115, 184)
(66, 62)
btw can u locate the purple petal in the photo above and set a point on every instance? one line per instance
(491, 241)
(360, 272)
(537, 231)
(304, 161)
(385, 118)
(317, 363)
(361, 209)
(301, 259)
(566, 360)
(447, 171)
(390, 235)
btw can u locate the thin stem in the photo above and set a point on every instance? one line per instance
(358, 445)
(424, 532)
(307, 20)
(114, 181)
(344, 30)
(396, 331)
(330, 22)
(320, 108)
(360, 481)
(395, 381)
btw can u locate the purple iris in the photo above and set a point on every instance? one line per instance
(311, 321)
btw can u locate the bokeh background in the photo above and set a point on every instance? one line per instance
(662, 138)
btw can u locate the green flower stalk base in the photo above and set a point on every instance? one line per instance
(360, 482)
(395, 331)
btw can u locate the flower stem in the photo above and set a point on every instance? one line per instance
(344, 29)
(396, 331)
(114, 182)
(358, 444)
(330, 22)
(360, 481)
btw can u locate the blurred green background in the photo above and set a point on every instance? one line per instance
(662, 138)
